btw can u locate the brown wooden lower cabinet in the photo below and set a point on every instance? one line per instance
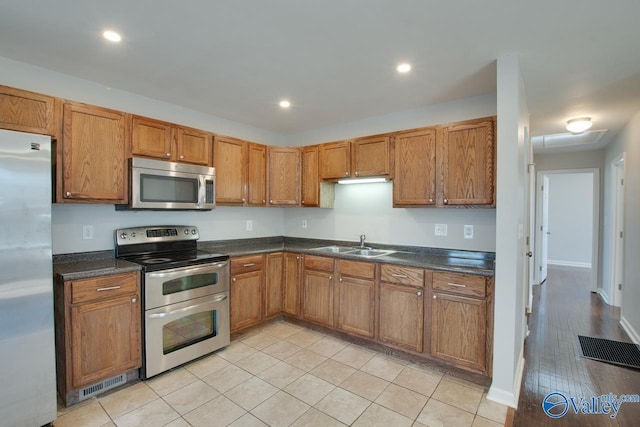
(274, 276)
(98, 332)
(401, 321)
(318, 294)
(356, 290)
(291, 292)
(247, 277)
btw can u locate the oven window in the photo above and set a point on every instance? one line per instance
(158, 188)
(189, 330)
(189, 282)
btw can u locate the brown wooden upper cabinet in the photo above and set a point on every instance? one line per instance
(467, 157)
(283, 176)
(414, 182)
(335, 160)
(370, 156)
(240, 172)
(166, 141)
(93, 155)
(446, 166)
(25, 111)
(314, 194)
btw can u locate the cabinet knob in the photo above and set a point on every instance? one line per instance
(244, 200)
(340, 280)
(134, 299)
(356, 173)
(181, 157)
(168, 154)
(264, 201)
(233, 279)
(430, 200)
(68, 194)
(297, 257)
(419, 293)
(303, 202)
(434, 297)
(346, 173)
(446, 201)
(271, 201)
(330, 277)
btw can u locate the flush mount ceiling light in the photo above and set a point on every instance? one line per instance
(579, 125)
(112, 36)
(285, 104)
(404, 68)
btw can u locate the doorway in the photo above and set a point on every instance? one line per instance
(567, 221)
(617, 239)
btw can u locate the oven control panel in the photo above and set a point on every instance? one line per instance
(160, 233)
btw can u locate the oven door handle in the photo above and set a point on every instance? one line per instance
(182, 310)
(206, 267)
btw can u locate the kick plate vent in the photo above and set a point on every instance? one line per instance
(101, 387)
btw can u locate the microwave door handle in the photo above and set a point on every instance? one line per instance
(189, 308)
(202, 191)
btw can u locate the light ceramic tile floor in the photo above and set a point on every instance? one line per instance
(283, 375)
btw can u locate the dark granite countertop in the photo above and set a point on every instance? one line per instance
(470, 262)
(90, 264)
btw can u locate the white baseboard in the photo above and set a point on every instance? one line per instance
(604, 295)
(506, 397)
(569, 263)
(633, 334)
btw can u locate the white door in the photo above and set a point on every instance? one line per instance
(618, 236)
(544, 228)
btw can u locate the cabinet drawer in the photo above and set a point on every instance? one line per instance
(366, 270)
(246, 264)
(104, 287)
(404, 275)
(461, 284)
(318, 263)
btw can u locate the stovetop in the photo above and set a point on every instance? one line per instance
(171, 260)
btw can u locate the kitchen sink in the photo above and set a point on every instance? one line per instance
(365, 253)
(370, 253)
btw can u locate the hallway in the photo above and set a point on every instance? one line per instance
(563, 308)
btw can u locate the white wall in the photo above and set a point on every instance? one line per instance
(510, 285)
(627, 141)
(367, 209)
(570, 219)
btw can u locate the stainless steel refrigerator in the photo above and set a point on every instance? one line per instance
(27, 349)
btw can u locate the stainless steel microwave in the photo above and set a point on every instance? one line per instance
(161, 185)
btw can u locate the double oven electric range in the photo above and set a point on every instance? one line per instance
(185, 295)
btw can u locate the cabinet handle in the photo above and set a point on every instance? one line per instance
(110, 288)
(134, 299)
(457, 285)
(68, 194)
(446, 201)
(401, 276)
(168, 154)
(251, 264)
(419, 293)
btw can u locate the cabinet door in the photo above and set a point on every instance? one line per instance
(371, 156)
(467, 159)
(151, 138)
(291, 291)
(414, 179)
(94, 155)
(284, 176)
(273, 284)
(310, 177)
(26, 111)
(193, 146)
(230, 161)
(318, 297)
(257, 184)
(356, 306)
(458, 330)
(246, 300)
(105, 339)
(401, 321)
(335, 160)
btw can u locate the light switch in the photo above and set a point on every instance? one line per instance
(441, 230)
(87, 232)
(468, 231)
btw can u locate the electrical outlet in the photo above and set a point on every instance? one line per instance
(441, 230)
(87, 232)
(304, 223)
(249, 225)
(468, 231)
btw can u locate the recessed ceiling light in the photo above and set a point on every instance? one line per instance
(404, 68)
(579, 125)
(285, 104)
(112, 36)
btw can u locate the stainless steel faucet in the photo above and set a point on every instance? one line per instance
(362, 239)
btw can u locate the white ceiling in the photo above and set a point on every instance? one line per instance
(335, 59)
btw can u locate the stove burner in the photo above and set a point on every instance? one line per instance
(157, 260)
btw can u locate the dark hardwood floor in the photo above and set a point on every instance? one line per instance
(563, 308)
